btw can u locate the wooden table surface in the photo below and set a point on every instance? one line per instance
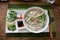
(3, 10)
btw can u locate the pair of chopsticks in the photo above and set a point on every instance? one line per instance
(50, 26)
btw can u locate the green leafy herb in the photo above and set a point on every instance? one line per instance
(11, 26)
(12, 16)
(43, 17)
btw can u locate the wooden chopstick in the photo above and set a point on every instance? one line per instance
(50, 26)
(50, 30)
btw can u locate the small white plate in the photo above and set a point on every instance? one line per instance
(16, 23)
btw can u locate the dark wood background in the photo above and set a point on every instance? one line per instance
(3, 10)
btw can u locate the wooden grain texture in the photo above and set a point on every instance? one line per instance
(3, 10)
(57, 2)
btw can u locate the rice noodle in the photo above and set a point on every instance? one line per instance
(31, 22)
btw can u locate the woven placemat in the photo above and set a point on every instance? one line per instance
(43, 34)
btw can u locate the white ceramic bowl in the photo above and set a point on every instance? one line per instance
(47, 20)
